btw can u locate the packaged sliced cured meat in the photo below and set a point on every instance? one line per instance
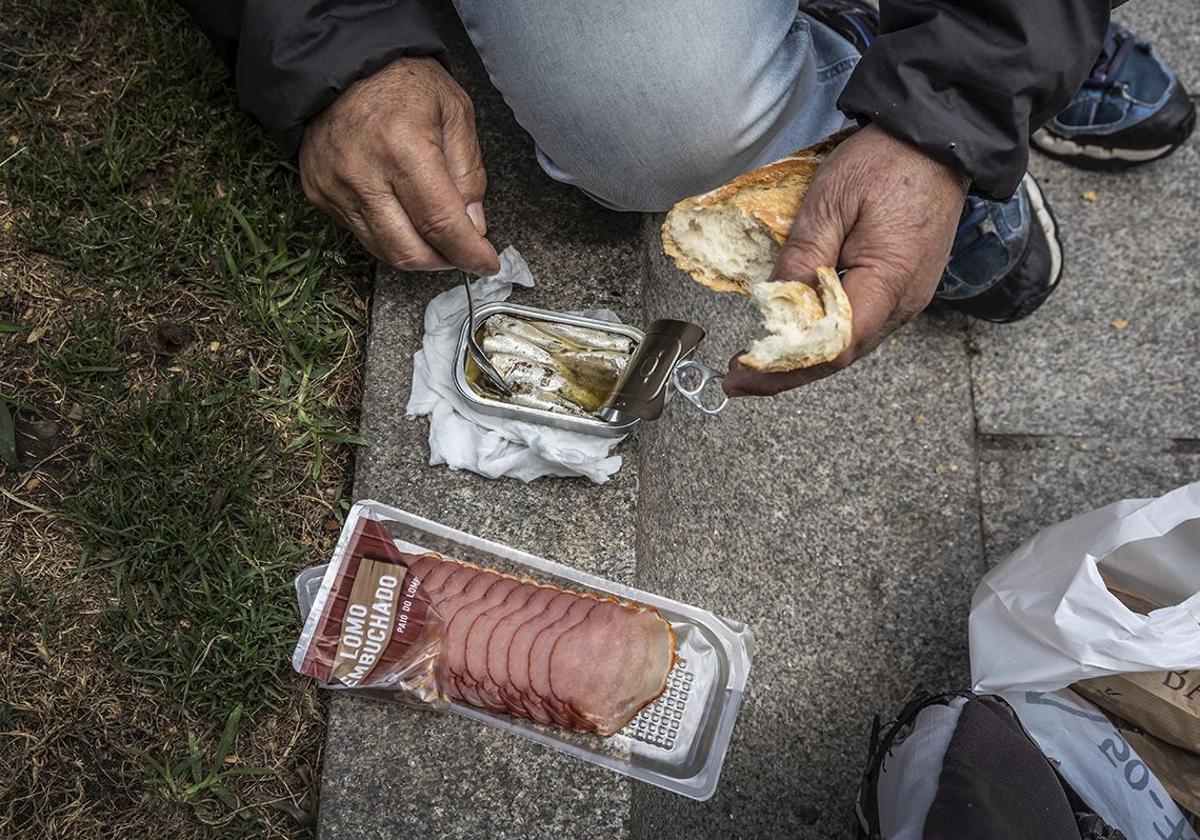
(415, 611)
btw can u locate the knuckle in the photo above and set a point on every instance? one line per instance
(438, 226)
(405, 262)
(402, 254)
(460, 106)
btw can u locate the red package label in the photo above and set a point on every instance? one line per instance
(376, 614)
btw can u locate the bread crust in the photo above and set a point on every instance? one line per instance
(828, 304)
(769, 195)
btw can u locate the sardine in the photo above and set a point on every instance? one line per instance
(603, 366)
(546, 402)
(527, 331)
(523, 373)
(586, 337)
(517, 370)
(506, 344)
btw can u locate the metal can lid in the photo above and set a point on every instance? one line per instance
(642, 389)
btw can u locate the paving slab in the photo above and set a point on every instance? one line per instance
(1030, 483)
(840, 522)
(389, 771)
(1116, 350)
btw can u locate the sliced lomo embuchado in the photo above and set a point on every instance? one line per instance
(453, 585)
(454, 645)
(518, 693)
(539, 656)
(477, 585)
(479, 636)
(435, 578)
(608, 667)
(499, 682)
(421, 566)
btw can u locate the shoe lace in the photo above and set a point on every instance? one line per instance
(1106, 72)
(1105, 75)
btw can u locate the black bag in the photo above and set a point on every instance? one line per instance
(955, 766)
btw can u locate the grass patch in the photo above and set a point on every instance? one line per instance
(202, 607)
(180, 351)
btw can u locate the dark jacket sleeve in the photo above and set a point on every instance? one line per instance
(291, 58)
(967, 81)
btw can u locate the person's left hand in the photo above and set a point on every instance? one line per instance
(887, 213)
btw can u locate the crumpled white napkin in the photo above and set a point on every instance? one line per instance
(464, 439)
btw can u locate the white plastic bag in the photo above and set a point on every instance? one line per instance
(1043, 618)
(1100, 765)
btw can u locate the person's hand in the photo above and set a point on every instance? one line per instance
(886, 212)
(395, 159)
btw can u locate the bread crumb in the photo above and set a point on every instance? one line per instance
(1090, 195)
(1120, 323)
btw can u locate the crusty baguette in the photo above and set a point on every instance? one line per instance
(727, 239)
(805, 326)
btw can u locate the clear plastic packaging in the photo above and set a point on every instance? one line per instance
(678, 742)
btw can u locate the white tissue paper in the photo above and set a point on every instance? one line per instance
(495, 447)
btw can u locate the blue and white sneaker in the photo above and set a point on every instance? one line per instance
(1007, 258)
(1132, 109)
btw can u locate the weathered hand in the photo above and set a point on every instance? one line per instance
(887, 213)
(396, 160)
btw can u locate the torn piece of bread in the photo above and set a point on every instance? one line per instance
(806, 326)
(728, 239)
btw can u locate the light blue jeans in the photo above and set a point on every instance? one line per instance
(642, 102)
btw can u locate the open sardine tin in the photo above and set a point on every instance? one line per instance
(678, 742)
(661, 364)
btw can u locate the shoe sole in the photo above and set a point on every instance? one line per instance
(1104, 158)
(1043, 226)
(1044, 216)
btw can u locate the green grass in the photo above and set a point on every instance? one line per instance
(147, 548)
(202, 608)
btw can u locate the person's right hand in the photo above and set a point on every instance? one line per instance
(395, 159)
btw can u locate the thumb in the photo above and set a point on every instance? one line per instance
(815, 239)
(464, 162)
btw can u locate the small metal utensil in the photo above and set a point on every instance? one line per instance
(489, 370)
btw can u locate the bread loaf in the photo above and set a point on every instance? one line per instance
(728, 239)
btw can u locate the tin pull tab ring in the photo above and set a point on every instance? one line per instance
(700, 385)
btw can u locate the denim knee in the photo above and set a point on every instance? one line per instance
(642, 104)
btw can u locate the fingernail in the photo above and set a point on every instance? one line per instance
(491, 268)
(475, 213)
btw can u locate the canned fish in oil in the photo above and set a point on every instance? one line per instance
(599, 400)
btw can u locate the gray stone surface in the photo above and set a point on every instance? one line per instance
(1030, 483)
(1132, 255)
(847, 523)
